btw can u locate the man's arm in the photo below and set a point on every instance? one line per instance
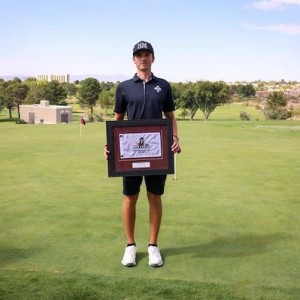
(118, 117)
(175, 147)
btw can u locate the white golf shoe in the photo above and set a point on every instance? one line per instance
(155, 259)
(129, 258)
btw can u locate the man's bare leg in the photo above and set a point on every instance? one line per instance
(129, 215)
(155, 216)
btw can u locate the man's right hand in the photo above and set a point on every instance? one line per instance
(106, 152)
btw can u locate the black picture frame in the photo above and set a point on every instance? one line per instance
(119, 165)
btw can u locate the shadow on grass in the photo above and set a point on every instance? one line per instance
(12, 255)
(239, 246)
(140, 256)
(8, 120)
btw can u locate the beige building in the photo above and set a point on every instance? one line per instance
(44, 113)
(51, 77)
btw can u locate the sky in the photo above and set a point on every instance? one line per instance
(230, 40)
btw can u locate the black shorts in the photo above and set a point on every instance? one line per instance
(155, 184)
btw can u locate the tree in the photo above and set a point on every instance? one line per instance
(70, 88)
(16, 80)
(1, 102)
(12, 93)
(176, 90)
(89, 93)
(245, 90)
(2, 92)
(54, 92)
(28, 80)
(188, 100)
(276, 106)
(107, 99)
(36, 92)
(209, 95)
(106, 86)
(276, 100)
(203, 95)
(16, 93)
(184, 97)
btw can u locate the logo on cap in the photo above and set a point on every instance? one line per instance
(142, 45)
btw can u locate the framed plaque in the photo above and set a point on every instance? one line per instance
(140, 147)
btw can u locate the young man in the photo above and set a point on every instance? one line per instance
(144, 97)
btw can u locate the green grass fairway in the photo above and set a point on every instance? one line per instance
(231, 225)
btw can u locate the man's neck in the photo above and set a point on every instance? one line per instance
(145, 76)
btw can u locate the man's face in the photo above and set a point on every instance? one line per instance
(143, 60)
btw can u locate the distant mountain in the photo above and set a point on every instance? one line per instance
(10, 77)
(105, 78)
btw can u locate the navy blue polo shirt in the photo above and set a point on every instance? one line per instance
(144, 100)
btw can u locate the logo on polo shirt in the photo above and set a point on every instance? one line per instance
(158, 88)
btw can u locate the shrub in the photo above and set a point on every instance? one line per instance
(21, 121)
(63, 102)
(99, 118)
(184, 113)
(95, 117)
(277, 114)
(90, 118)
(245, 116)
